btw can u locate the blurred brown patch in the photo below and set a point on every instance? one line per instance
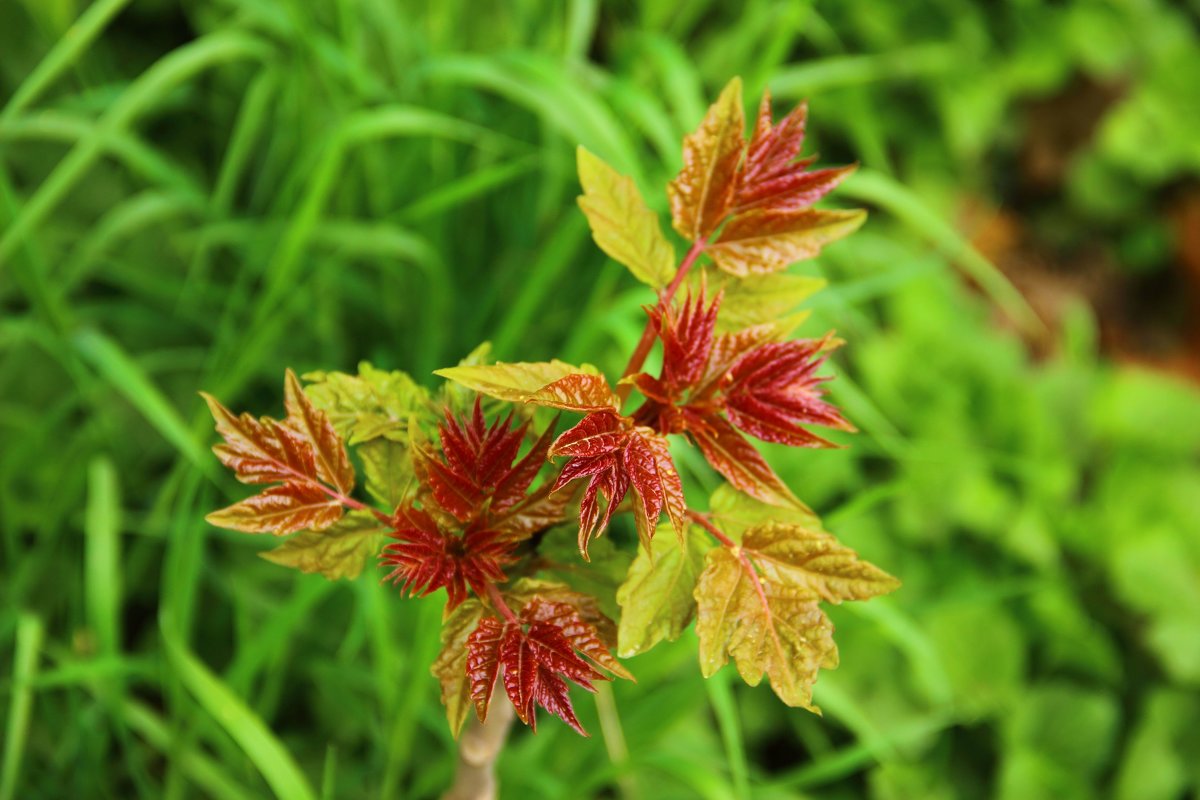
(1058, 127)
(1149, 318)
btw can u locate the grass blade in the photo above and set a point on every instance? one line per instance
(29, 643)
(246, 728)
(131, 381)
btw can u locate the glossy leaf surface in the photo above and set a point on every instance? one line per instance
(535, 655)
(515, 382)
(763, 241)
(303, 454)
(613, 457)
(425, 557)
(702, 194)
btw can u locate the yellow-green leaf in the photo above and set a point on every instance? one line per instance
(517, 382)
(788, 638)
(456, 397)
(735, 512)
(702, 192)
(809, 559)
(558, 558)
(450, 666)
(340, 551)
(621, 224)
(759, 299)
(387, 470)
(764, 241)
(759, 602)
(372, 404)
(656, 599)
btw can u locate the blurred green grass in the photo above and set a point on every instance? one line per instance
(196, 196)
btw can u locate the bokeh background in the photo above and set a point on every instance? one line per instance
(197, 195)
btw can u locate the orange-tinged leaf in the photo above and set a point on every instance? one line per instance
(731, 455)
(702, 194)
(280, 509)
(512, 382)
(303, 453)
(765, 241)
(332, 462)
(621, 224)
(813, 561)
(577, 392)
(759, 603)
(339, 551)
(259, 451)
(768, 628)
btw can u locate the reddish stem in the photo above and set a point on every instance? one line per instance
(499, 604)
(647, 341)
(704, 522)
(747, 564)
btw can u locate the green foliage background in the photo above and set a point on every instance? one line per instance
(197, 195)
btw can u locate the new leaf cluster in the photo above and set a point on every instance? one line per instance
(471, 498)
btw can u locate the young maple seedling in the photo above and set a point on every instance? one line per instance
(462, 513)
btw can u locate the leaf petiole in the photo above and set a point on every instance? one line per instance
(498, 603)
(647, 341)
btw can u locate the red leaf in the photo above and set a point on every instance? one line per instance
(687, 337)
(641, 462)
(476, 475)
(668, 479)
(511, 489)
(770, 175)
(303, 453)
(582, 634)
(425, 558)
(613, 457)
(536, 655)
(728, 348)
(735, 458)
(773, 389)
(483, 661)
(773, 148)
(595, 434)
(595, 445)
